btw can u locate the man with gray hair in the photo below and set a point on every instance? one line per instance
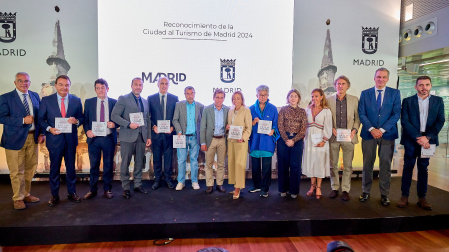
(187, 121)
(262, 144)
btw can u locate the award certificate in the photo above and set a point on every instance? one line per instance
(427, 153)
(163, 126)
(179, 141)
(137, 118)
(63, 125)
(235, 132)
(316, 138)
(99, 128)
(264, 127)
(343, 135)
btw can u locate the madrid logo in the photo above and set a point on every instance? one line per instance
(370, 39)
(227, 70)
(7, 27)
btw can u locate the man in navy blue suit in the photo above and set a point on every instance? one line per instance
(162, 107)
(379, 111)
(422, 118)
(21, 133)
(98, 110)
(57, 107)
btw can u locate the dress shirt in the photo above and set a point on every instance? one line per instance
(341, 119)
(423, 112)
(190, 118)
(106, 112)
(219, 124)
(30, 106)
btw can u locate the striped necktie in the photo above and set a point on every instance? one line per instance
(25, 104)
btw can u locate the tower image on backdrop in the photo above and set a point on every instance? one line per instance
(326, 74)
(57, 58)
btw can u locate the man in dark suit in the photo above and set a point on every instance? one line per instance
(98, 109)
(379, 111)
(162, 107)
(59, 106)
(421, 126)
(21, 133)
(134, 135)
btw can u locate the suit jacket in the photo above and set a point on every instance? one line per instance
(120, 115)
(242, 118)
(180, 118)
(12, 112)
(386, 118)
(49, 110)
(410, 120)
(154, 104)
(208, 123)
(352, 117)
(90, 115)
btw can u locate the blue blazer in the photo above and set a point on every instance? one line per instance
(12, 113)
(386, 118)
(90, 114)
(410, 120)
(49, 110)
(156, 111)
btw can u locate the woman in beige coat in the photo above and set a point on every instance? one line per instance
(238, 115)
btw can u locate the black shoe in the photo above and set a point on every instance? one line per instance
(264, 194)
(364, 197)
(108, 195)
(170, 185)
(126, 194)
(220, 188)
(345, 196)
(254, 189)
(140, 190)
(156, 185)
(209, 189)
(53, 201)
(74, 198)
(333, 194)
(384, 201)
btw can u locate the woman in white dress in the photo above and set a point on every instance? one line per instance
(315, 163)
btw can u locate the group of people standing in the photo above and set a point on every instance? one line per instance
(308, 140)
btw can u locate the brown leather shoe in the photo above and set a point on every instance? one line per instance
(53, 201)
(220, 188)
(108, 195)
(345, 196)
(403, 202)
(333, 194)
(89, 195)
(422, 202)
(74, 198)
(31, 199)
(19, 205)
(209, 189)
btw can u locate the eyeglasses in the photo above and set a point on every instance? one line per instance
(25, 81)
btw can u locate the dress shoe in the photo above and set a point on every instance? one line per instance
(333, 194)
(179, 186)
(126, 194)
(19, 205)
(74, 198)
(422, 202)
(254, 189)
(89, 195)
(209, 189)
(294, 196)
(220, 188)
(403, 202)
(283, 194)
(108, 195)
(364, 197)
(384, 200)
(264, 194)
(140, 190)
(345, 196)
(170, 185)
(53, 201)
(31, 199)
(156, 185)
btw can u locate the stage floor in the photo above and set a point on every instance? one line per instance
(194, 214)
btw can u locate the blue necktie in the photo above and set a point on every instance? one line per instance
(25, 104)
(379, 99)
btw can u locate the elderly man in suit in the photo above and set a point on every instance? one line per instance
(344, 116)
(187, 121)
(58, 111)
(162, 107)
(422, 118)
(131, 113)
(379, 111)
(97, 120)
(21, 133)
(213, 139)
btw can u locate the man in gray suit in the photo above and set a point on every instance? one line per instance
(187, 120)
(131, 113)
(344, 116)
(213, 139)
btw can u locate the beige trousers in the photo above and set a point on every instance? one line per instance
(348, 156)
(22, 166)
(218, 146)
(237, 156)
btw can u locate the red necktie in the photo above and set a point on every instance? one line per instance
(62, 107)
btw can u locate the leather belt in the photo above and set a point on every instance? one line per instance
(189, 135)
(218, 136)
(31, 132)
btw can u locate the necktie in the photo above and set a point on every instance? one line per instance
(102, 112)
(25, 104)
(163, 106)
(379, 99)
(62, 107)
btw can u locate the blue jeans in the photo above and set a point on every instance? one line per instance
(289, 166)
(411, 154)
(192, 147)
